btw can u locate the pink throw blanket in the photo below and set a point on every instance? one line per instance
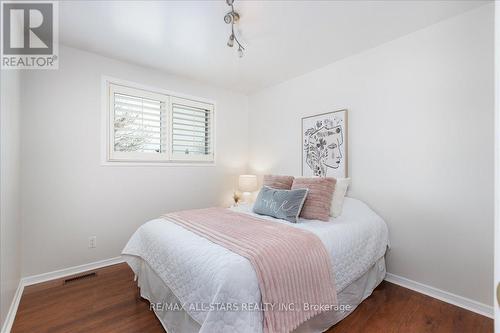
(292, 265)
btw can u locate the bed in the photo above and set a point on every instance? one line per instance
(195, 285)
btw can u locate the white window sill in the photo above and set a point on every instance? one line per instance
(157, 164)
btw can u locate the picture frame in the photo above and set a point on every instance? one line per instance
(324, 144)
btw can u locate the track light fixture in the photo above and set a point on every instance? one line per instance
(230, 42)
(231, 18)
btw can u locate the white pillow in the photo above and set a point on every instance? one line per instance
(338, 196)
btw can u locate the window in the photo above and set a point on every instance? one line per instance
(147, 126)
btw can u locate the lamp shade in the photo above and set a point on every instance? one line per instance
(247, 183)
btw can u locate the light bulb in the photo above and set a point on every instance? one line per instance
(230, 42)
(240, 52)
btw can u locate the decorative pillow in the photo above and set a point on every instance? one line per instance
(338, 196)
(278, 182)
(282, 204)
(319, 198)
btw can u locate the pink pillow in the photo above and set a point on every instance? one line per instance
(278, 182)
(319, 198)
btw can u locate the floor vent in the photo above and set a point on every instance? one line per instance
(80, 277)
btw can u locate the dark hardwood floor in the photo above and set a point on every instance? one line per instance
(109, 303)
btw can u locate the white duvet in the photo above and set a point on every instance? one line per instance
(206, 277)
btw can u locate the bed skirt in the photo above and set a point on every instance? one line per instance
(155, 291)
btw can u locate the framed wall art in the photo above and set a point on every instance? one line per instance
(324, 145)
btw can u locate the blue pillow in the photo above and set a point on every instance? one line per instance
(282, 204)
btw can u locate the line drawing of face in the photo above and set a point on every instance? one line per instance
(323, 147)
(334, 140)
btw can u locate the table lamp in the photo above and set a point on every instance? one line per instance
(247, 184)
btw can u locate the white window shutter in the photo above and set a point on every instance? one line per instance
(155, 127)
(192, 130)
(138, 124)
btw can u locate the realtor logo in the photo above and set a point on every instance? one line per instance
(29, 35)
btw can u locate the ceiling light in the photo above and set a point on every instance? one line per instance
(231, 18)
(228, 18)
(230, 42)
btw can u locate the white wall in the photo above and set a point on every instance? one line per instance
(420, 144)
(68, 196)
(497, 168)
(10, 223)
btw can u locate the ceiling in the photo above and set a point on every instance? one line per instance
(284, 39)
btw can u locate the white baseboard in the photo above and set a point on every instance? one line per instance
(463, 302)
(34, 279)
(9, 319)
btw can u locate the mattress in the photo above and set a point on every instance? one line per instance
(200, 273)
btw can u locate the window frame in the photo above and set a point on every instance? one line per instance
(110, 157)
